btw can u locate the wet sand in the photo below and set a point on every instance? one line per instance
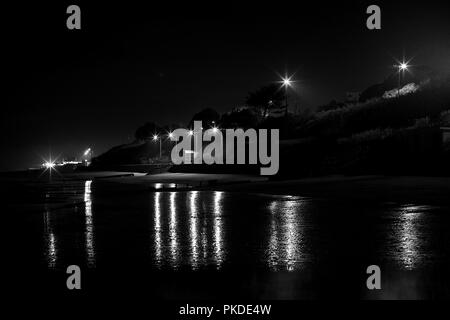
(259, 240)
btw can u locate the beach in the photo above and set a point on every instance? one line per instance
(262, 239)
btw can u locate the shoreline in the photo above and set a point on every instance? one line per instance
(410, 189)
(427, 189)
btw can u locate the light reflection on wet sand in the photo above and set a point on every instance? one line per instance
(51, 253)
(218, 229)
(89, 226)
(199, 230)
(202, 217)
(173, 234)
(406, 243)
(212, 230)
(157, 227)
(51, 218)
(194, 228)
(285, 250)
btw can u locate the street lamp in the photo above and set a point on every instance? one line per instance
(287, 83)
(155, 138)
(88, 152)
(171, 135)
(49, 165)
(402, 67)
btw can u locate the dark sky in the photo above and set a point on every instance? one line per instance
(67, 90)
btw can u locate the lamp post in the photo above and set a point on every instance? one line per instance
(155, 138)
(89, 153)
(402, 67)
(171, 135)
(287, 82)
(50, 166)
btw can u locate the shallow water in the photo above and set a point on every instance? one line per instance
(260, 245)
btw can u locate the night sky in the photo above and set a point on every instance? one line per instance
(67, 90)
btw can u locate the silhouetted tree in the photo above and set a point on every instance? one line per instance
(146, 131)
(266, 98)
(208, 117)
(244, 118)
(332, 105)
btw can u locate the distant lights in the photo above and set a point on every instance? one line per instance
(403, 66)
(49, 165)
(287, 82)
(158, 185)
(87, 151)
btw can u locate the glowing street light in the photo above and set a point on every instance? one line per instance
(171, 135)
(214, 129)
(87, 152)
(49, 165)
(287, 82)
(191, 132)
(403, 66)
